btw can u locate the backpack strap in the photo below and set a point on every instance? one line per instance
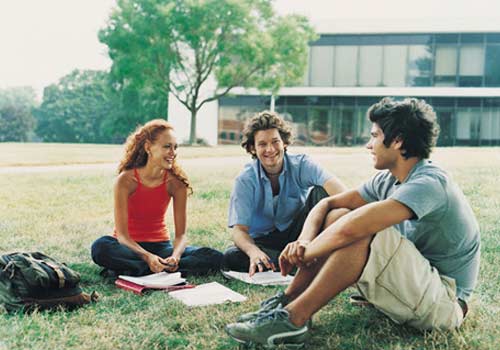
(58, 271)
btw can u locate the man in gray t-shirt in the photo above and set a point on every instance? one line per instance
(444, 228)
(407, 239)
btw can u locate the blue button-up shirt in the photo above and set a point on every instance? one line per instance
(251, 201)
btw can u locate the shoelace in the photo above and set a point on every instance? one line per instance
(273, 315)
(271, 301)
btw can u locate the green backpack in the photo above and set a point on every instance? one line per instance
(36, 281)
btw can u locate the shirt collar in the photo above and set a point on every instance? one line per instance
(417, 165)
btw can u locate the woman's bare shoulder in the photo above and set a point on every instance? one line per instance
(126, 180)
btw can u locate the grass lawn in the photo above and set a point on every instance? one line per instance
(62, 212)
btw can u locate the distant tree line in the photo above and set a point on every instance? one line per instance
(162, 47)
(84, 106)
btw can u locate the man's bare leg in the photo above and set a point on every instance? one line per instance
(341, 270)
(305, 275)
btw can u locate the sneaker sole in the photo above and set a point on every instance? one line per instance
(271, 341)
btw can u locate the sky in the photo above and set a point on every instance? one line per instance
(43, 40)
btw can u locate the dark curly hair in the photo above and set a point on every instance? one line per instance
(135, 155)
(264, 121)
(412, 120)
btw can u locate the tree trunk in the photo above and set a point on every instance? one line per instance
(192, 134)
(271, 104)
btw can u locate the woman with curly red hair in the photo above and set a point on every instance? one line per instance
(148, 177)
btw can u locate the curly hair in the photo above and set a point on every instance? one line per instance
(264, 121)
(136, 156)
(412, 120)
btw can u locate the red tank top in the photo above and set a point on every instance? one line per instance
(146, 212)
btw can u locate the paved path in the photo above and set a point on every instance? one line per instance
(201, 162)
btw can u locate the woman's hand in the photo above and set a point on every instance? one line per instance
(172, 264)
(155, 263)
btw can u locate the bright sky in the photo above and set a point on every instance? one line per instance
(43, 40)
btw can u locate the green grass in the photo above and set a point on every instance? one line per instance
(62, 212)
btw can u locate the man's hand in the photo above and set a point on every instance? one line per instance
(258, 262)
(292, 255)
(155, 263)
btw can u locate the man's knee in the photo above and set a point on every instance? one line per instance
(334, 215)
(316, 194)
(234, 259)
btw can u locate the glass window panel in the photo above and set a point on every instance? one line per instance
(471, 60)
(370, 65)
(490, 124)
(445, 119)
(493, 38)
(492, 74)
(446, 38)
(471, 38)
(346, 61)
(296, 100)
(298, 115)
(446, 60)
(419, 65)
(468, 124)
(320, 100)
(305, 78)
(463, 124)
(395, 65)
(321, 66)
(470, 81)
(319, 125)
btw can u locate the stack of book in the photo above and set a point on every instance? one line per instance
(162, 280)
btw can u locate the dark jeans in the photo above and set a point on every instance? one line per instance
(273, 243)
(110, 254)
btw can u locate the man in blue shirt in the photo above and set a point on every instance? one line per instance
(272, 195)
(407, 238)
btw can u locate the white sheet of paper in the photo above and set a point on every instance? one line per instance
(207, 294)
(155, 280)
(266, 278)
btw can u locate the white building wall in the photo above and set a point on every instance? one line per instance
(206, 125)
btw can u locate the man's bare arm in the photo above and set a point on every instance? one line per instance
(365, 221)
(314, 221)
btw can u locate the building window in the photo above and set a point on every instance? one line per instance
(370, 65)
(446, 65)
(395, 57)
(471, 65)
(492, 74)
(346, 62)
(321, 65)
(419, 65)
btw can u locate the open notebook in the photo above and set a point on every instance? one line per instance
(207, 294)
(266, 278)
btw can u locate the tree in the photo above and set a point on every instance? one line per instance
(74, 109)
(177, 45)
(16, 119)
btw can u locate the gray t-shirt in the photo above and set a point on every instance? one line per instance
(444, 228)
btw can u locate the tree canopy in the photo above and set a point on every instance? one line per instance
(16, 119)
(74, 109)
(178, 45)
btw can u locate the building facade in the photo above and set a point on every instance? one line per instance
(456, 71)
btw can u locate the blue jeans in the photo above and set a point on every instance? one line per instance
(110, 254)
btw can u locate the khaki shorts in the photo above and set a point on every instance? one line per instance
(403, 285)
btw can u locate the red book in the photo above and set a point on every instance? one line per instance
(131, 286)
(138, 289)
